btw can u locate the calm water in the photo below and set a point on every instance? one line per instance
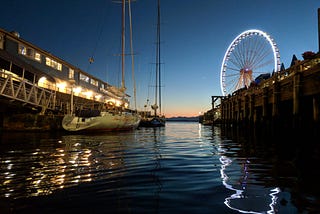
(180, 168)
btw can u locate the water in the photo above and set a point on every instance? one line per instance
(184, 167)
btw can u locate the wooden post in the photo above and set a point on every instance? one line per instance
(296, 100)
(233, 111)
(239, 117)
(246, 107)
(316, 109)
(316, 124)
(296, 93)
(319, 29)
(265, 103)
(276, 99)
(252, 117)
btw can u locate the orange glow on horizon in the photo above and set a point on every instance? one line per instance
(181, 114)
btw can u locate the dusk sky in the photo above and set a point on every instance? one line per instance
(195, 35)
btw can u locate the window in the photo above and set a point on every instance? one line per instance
(71, 73)
(22, 50)
(84, 77)
(53, 64)
(29, 52)
(94, 82)
(37, 57)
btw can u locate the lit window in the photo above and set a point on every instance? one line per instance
(71, 73)
(59, 66)
(48, 61)
(22, 50)
(53, 64)
(29, 52)
(84, 77)
(37, 56)
(94, 82)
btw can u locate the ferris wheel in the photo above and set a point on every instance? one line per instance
(251, 53)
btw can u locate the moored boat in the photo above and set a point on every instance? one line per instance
(157, 119)
(113, 115)
(152, 122)
(95, 120)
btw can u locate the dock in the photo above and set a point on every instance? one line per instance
(284, 102)
(288, 100)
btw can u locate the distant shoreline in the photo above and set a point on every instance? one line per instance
(183, 119)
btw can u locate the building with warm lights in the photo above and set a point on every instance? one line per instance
(32, 78)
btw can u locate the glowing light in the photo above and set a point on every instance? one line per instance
(61, 86)
(118, 103)
(88, 94)
(42, 82)
(98, 96)
(77, 90)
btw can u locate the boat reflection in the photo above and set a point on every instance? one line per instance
(43, 167)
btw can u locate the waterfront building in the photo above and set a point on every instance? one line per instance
(32, 77)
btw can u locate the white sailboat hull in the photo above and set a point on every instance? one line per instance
(106, 121)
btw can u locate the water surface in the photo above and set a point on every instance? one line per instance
(184, 167)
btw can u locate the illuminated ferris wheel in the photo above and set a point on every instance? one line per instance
(251, 53)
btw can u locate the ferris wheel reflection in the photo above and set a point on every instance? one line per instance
(247, 197)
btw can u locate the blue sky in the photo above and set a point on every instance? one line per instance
(195, 35)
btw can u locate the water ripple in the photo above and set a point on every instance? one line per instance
(180, 168)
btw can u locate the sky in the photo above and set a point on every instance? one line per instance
(195, 35)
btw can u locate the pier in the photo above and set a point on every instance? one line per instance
(285, 102)
(288, 100)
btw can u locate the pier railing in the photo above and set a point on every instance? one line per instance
(21, 90)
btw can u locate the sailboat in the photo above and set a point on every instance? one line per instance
(112, 116)
(157, 119)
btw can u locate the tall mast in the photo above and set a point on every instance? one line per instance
(158, 79)
(132, 57)
(123, 87)
(159, 60)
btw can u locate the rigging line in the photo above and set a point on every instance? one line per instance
(123, 87)
(100, 26)
(149, 86)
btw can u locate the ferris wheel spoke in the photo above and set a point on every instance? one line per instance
(232, 75)
(263, 54)
(240, 58)
(254, 54)
(232, 85)
(238, 64)
(232, 68)
(264, 64)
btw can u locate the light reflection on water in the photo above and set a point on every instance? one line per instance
(180, 168)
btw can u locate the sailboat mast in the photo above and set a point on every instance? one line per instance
(132, 56)
(159, 62)
(157, 91)
(123, 44)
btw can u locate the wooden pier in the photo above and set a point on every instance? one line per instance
(288, 100)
